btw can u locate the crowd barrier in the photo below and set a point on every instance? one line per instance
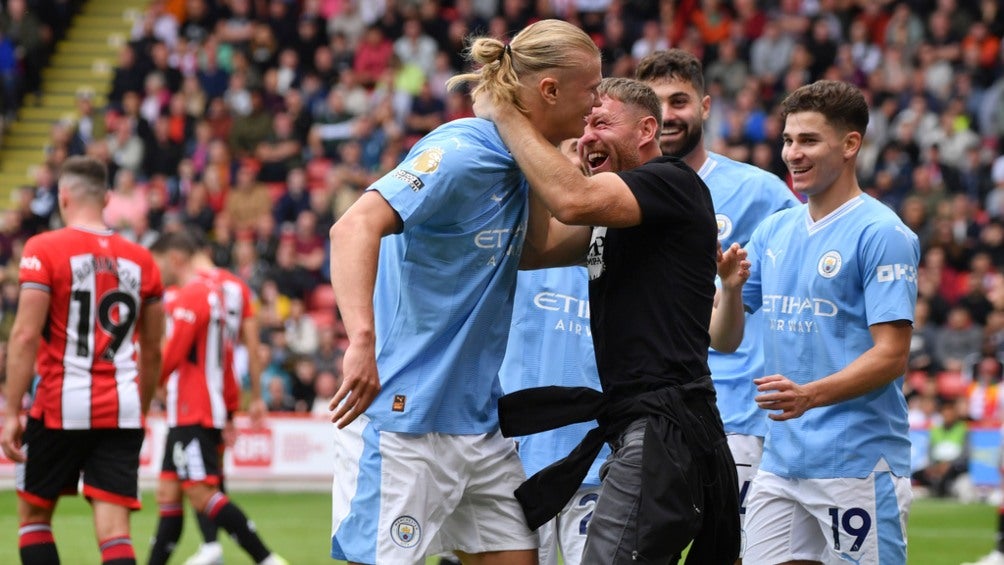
(287, 452)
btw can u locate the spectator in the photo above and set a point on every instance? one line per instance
(415, 47)
(280, 152)
(294, 199)
(127, 206)
(301, 331)
(983, 392)
(922, 342)
(770, 53)
(290, 279)
(247, 265)
(304, 375)
(30, 37)
(328, 356)
(958, 341)
(277, 398)
(197, 213)
(729, 70)
(427, 113)
(248, 199)
(372, 56)
(948, 453)
(325, 385)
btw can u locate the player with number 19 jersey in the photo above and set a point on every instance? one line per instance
(97, 282)
(820, 286)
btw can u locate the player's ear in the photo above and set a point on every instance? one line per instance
(548, 89)
(649, 129)
(852, 144)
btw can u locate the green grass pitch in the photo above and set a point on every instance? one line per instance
(297, 526)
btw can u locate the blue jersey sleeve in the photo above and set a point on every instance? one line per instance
(889, 261)
(442, 171)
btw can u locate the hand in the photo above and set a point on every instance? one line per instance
(10, 438)
(791, 399)
(733, 268)
(485, 107)
(360, 385)
(257, 411)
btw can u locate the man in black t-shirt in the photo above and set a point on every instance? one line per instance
(652, 267)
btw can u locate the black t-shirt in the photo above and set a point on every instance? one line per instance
(652, 285)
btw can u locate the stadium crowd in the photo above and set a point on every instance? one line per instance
(259, 122)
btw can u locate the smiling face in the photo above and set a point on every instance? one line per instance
(815, 152)
(612, 138)
(683, 113)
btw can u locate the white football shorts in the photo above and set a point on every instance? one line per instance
(566, 532)
(397, 498)
(828, 520)
(747, 451)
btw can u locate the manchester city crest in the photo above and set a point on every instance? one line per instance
(724, 226)
(829, 264)
(405, 531)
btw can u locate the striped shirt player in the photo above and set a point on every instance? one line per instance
(820, 285)
(551, 343)
(103, 295)
(238, 307)
(196, 371)
(744, 196)
(442, 306)
(238, 310)
(196, 354)
(98, 282)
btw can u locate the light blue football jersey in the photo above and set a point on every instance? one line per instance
(444, 288)
(820, 285)
(550, 343)
(744, 196)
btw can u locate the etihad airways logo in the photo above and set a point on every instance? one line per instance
(800, 312)
(799, 305)
(508, 241)
(566, 304)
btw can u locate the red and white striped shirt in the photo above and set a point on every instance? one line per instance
(238, 303)
(196, 355)
(97, 282)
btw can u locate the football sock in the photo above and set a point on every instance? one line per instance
(168, 533)
(117, 551)
(207, 527)
(229, 517)
(36, 544)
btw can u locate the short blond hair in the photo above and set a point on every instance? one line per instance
(540, 46)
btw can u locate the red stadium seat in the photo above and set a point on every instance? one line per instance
(323, 318)
(321, 298)
(951, 384)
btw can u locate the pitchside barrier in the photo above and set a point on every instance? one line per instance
(296, 453)
(286, 453)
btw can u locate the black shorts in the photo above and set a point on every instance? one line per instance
(107, 458)
(193, 455)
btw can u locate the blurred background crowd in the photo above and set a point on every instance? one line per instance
(260, 121)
